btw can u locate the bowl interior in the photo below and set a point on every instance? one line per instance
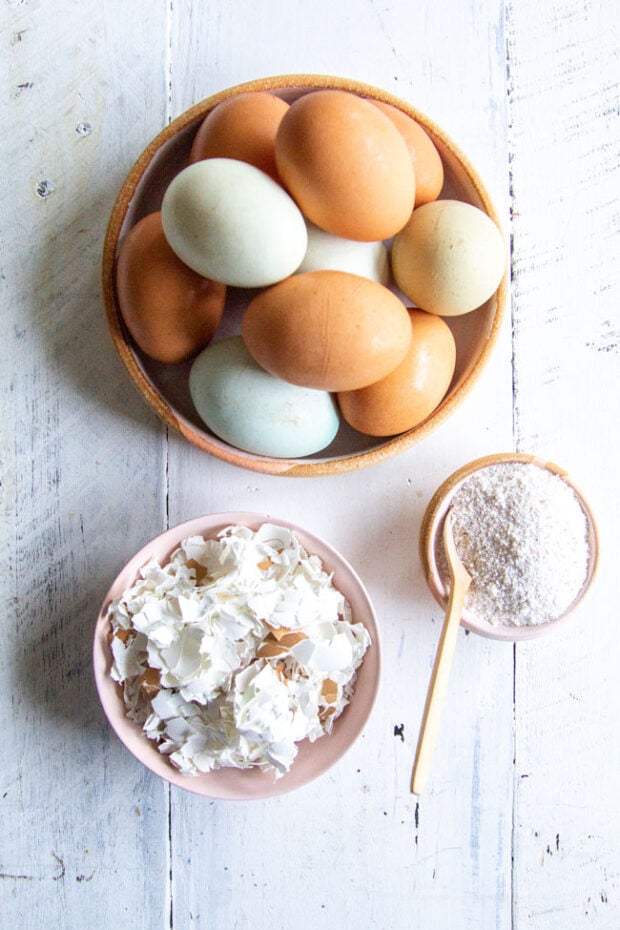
(165, 387)
(431, 539)
(313, 758)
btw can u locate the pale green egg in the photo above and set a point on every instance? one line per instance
(231, 222)
(253, 410)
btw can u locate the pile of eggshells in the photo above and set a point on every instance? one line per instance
(329, 207)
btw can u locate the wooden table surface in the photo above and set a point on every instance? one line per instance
(520, 824)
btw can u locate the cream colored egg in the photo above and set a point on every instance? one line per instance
(231, 222)
(325, 251)
(449, 258)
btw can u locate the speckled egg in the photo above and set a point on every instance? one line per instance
(450, 257)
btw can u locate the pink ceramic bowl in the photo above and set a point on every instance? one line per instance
(431, 535)
(313, 758)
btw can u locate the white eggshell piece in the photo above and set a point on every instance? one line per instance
(253, 410)
(327, 252)
(231, 222)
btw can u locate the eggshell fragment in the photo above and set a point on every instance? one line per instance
(450, 257)
(329, 330)
(242, 127)
(410, 393)
(328, 252)
(427, 164)
(171, 311)
(231, 222)
(346, 165)
(255, 411)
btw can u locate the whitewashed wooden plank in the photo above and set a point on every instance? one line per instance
(446, 862)
(565, 140)
(84, 826)
(355, 846)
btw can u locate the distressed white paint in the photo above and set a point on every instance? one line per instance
(89, 839)
(565, 139)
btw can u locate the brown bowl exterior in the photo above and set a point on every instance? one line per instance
(313, 758)
(164, 387)
(432, 528)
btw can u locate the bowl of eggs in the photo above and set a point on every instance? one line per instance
(303, 275)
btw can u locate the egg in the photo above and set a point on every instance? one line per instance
(427, 163)
(242, 127)
(410, 393)
(231, 222)
(254, 411)
(328, 252)
(328, 330)
(346, 165)
(170, 311)
(449, 258)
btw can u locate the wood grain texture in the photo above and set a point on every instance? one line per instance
(518, 828)
(365, 851)
(82, 824)
(565, 138)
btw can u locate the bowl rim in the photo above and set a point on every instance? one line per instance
(431, 527)
(392, 446)
(231, 784)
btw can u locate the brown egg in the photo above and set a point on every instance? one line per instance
(410, 393)
(427, 163)
(242, 127)
(346, 165)
(170, 311)
(329, 330)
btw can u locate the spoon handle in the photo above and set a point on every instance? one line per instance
(435, 698)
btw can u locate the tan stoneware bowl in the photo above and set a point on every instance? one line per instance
(165, 387)
(431, 539)
(313, 759)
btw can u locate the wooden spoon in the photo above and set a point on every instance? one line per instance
(460, 581)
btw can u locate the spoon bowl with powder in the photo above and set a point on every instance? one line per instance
(525, 534)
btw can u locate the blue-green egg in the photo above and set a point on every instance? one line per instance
(255, 411)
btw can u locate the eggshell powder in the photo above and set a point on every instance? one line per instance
(235, 650)
(522, 535)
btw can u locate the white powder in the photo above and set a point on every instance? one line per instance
(523, 537)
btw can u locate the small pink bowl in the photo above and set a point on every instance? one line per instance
(313, 758)
(432, 528)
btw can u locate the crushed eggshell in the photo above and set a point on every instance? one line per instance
(329, 691)
(235, 650)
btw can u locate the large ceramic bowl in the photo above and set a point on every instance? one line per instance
(431, 540)
(313, 758)
(165, 387)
